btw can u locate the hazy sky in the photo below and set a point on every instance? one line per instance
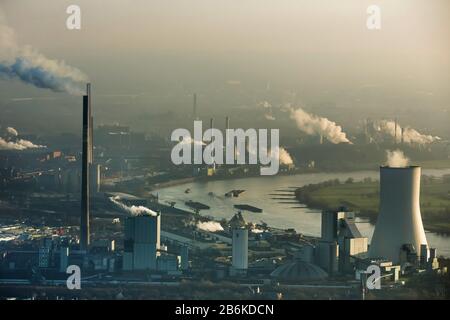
(321, 49)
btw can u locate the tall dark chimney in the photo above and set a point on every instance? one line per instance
(91, 125)
(85, 177)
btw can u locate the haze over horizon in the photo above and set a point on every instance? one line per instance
(148, 57)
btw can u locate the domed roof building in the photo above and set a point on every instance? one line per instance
(300, 268)
(299, 271)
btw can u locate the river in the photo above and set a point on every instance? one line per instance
(276, 214)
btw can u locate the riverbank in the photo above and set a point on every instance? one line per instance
(220, 176)
(363, 197)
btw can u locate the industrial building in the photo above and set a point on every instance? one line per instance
(340, 242)
(141, 242)
(301, 268)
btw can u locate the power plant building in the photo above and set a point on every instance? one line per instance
(340, 242)
(142, 242)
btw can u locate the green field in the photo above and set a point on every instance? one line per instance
(363, 197)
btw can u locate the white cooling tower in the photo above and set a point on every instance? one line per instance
(399, 221)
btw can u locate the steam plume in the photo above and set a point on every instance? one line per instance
(285, 157)
(211, 226)
(30, 66)
(315, 125)
(189, 140)
(12, 131)
(270, 117)
(410, 135)
(133, 210)
(11, 142)
(396, 159)
(255, 230)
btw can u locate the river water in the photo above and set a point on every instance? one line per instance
(258, 192)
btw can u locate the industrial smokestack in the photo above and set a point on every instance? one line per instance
(91, 125)
(85, 178)
(195, 107)
(399, 221)
(211, 126)
(395, 132)
(227, 123)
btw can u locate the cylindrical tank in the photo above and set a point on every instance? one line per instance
(240, 248)
(399, 221)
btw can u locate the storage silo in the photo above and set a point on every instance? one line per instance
(240, 248)
(399, 221)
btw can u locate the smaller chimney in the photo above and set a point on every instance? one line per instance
(395, 131)
(195, 107)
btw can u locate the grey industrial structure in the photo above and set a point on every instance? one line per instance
(340, 242)
(239, 247)
(142, 242)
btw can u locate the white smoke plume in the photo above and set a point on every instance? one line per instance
(285, 157)
(315, 125)
(255, 230)
(11, 142)
(189, 140)
(30, 66)
(396, 159)
(12, 131)
(133, 210)
(410, 135)
(265, 104)
(270, 117)
(211, 226)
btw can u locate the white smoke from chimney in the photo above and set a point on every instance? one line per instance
(189, 140)
(28, 65)
(211, 226)
(12, 131)
(269, 117)
(12, 143)
(255, 230)
(285, 157)
(410, 135)
(315, 125)
(396, 159)
(133, 210)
